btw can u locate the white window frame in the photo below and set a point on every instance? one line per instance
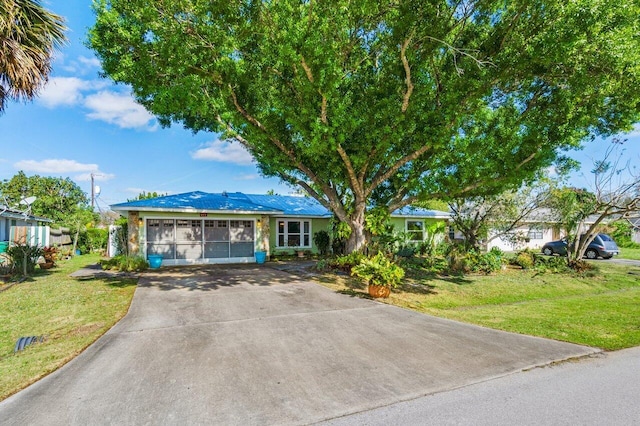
(286, 233)
(534, 231)
(414, 231)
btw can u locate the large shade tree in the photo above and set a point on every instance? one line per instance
(29, 33)
(382, 102)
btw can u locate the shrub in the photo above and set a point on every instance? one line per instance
(348, 261)
(485, 262)
(322, 241)
(525, 259)
(125, 263)
(379, 270)
(18, 253)
(554, 264)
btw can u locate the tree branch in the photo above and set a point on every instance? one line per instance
(407, 71)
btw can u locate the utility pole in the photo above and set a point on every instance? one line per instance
(93, 192)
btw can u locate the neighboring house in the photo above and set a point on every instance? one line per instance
(200, 227)
(536, 230)
(12, 217)
(635, 229)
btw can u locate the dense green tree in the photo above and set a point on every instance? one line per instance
(29, 34)
(146, 195)
(383, 102)
(57, 198)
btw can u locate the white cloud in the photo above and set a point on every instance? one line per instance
(64, 167)
(55, 166)
(119, 109)
(223, 151)
(63, 91)
(89, 62)
(247, 177)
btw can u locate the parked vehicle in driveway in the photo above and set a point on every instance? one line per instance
(601, 246)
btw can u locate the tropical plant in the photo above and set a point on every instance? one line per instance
(125, 263)
(24, 257)
(322, 241)
(379, 270)
(29, 34)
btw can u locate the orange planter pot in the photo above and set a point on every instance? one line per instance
(379, 291)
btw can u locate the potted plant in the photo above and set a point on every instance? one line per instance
(380, 273)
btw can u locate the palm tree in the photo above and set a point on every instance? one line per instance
(28, 35)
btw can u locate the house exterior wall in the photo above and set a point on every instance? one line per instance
(316, 224)
(534, 241)
(400, 225)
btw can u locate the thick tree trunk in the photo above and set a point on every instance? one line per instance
(358, 238)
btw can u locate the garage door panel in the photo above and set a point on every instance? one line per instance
(216, 250)
(188, 251)
(242, 249)
(167, 251)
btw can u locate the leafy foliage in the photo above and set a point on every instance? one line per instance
(125, 263)
(379, 270)
(59, 199)
(322, 241)
(24, 257)
(382, 102)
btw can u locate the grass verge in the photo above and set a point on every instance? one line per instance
(602, 310)
(71, 314)
(629, 253)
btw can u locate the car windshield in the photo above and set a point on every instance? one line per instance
(605, 237)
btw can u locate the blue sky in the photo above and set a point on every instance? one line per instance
(83, 124)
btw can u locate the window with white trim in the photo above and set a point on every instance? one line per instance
(535, 234)
(415, 230)
(293, 233)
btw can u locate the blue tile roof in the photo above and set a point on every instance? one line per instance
(287, 205)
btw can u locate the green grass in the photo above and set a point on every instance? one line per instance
(629, 253)
(601, 311)
(70, 313)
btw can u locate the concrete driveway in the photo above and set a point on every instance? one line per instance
(252, 345)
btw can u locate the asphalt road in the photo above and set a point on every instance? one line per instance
(601, 390)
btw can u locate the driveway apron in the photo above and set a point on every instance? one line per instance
(253, 345)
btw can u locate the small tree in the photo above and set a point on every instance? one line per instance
(487, 218)
(615, 194)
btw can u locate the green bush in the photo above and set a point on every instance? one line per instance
(18, 253)
(554, 264)
(322, 241)
(487, 263)
(379, 270)
(348, 261)
(525, 259)
(125, 263)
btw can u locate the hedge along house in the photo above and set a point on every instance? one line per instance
(199, 227)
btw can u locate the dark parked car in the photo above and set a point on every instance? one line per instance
(601, 246)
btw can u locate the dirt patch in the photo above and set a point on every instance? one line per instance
(85, 330)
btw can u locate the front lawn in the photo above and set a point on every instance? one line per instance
(629, 253)
(602, 310)
(70, 313)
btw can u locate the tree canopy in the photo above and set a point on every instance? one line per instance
(58, 199)
(28, 35)
(383, 102)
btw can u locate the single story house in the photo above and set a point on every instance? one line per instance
(15, 218)
(229, 227)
